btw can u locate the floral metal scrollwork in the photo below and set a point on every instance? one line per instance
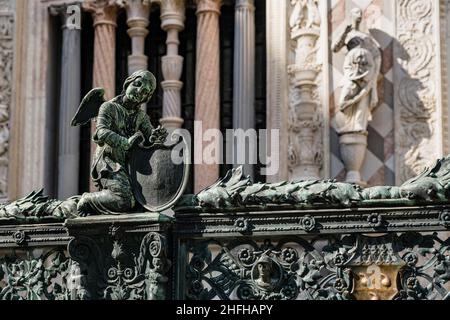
(146, 278)
(404, 266)
(35, 278)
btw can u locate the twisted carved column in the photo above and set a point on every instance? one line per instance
(244, 76)
(138, 12)
(69, 137)
(172, 21)
(104, 13)
(207, 94)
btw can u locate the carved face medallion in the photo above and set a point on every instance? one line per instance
(266, 273)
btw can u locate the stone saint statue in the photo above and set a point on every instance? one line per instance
(121, 124)
(361, 70)
(358, 97)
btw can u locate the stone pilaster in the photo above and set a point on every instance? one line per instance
(419, 118)
(138, 12)
(207, 92)
(104, 13)
(172, 21)
(305, 117)
(244, 77)
(6, 69)
(69, 137)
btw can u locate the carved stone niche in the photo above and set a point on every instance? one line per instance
(121, 257)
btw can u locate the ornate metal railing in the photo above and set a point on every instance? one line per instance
(376, 253)
(276, 253)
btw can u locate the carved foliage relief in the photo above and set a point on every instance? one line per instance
(416, 90)
(6, 62)
(305, 119)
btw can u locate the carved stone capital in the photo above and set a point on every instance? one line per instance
(65, 11)
(137, 12)
(245, 5)
(172, 14)
(205, 6)
(103, 11)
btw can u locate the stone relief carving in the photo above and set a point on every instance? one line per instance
(415, 99)
(305, 14)
(6, 62)
(305, 120)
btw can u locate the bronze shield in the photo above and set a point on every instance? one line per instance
(157, 181)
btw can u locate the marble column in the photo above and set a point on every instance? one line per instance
(244, 76)
(68, 137)
(207, 92)
(138, 12)
(277, 81)
(104, 13)
(172, 21)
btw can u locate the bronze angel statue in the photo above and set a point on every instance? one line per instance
(121, 124)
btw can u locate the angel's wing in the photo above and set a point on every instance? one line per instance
(89, 107)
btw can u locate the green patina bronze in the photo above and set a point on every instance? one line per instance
(121, 124)
(37, 206)
(235, 191)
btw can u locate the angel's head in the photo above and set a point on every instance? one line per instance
(139, 87)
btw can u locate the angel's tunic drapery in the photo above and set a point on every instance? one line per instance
(115, 124)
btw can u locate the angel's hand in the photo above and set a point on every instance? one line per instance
(159, 136)
(138, 137)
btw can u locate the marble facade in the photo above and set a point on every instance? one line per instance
(410, 125)
(7, 24)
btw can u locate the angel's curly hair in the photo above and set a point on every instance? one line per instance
(144, 74)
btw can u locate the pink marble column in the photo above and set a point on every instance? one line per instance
(207, 92)
(104, 13)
